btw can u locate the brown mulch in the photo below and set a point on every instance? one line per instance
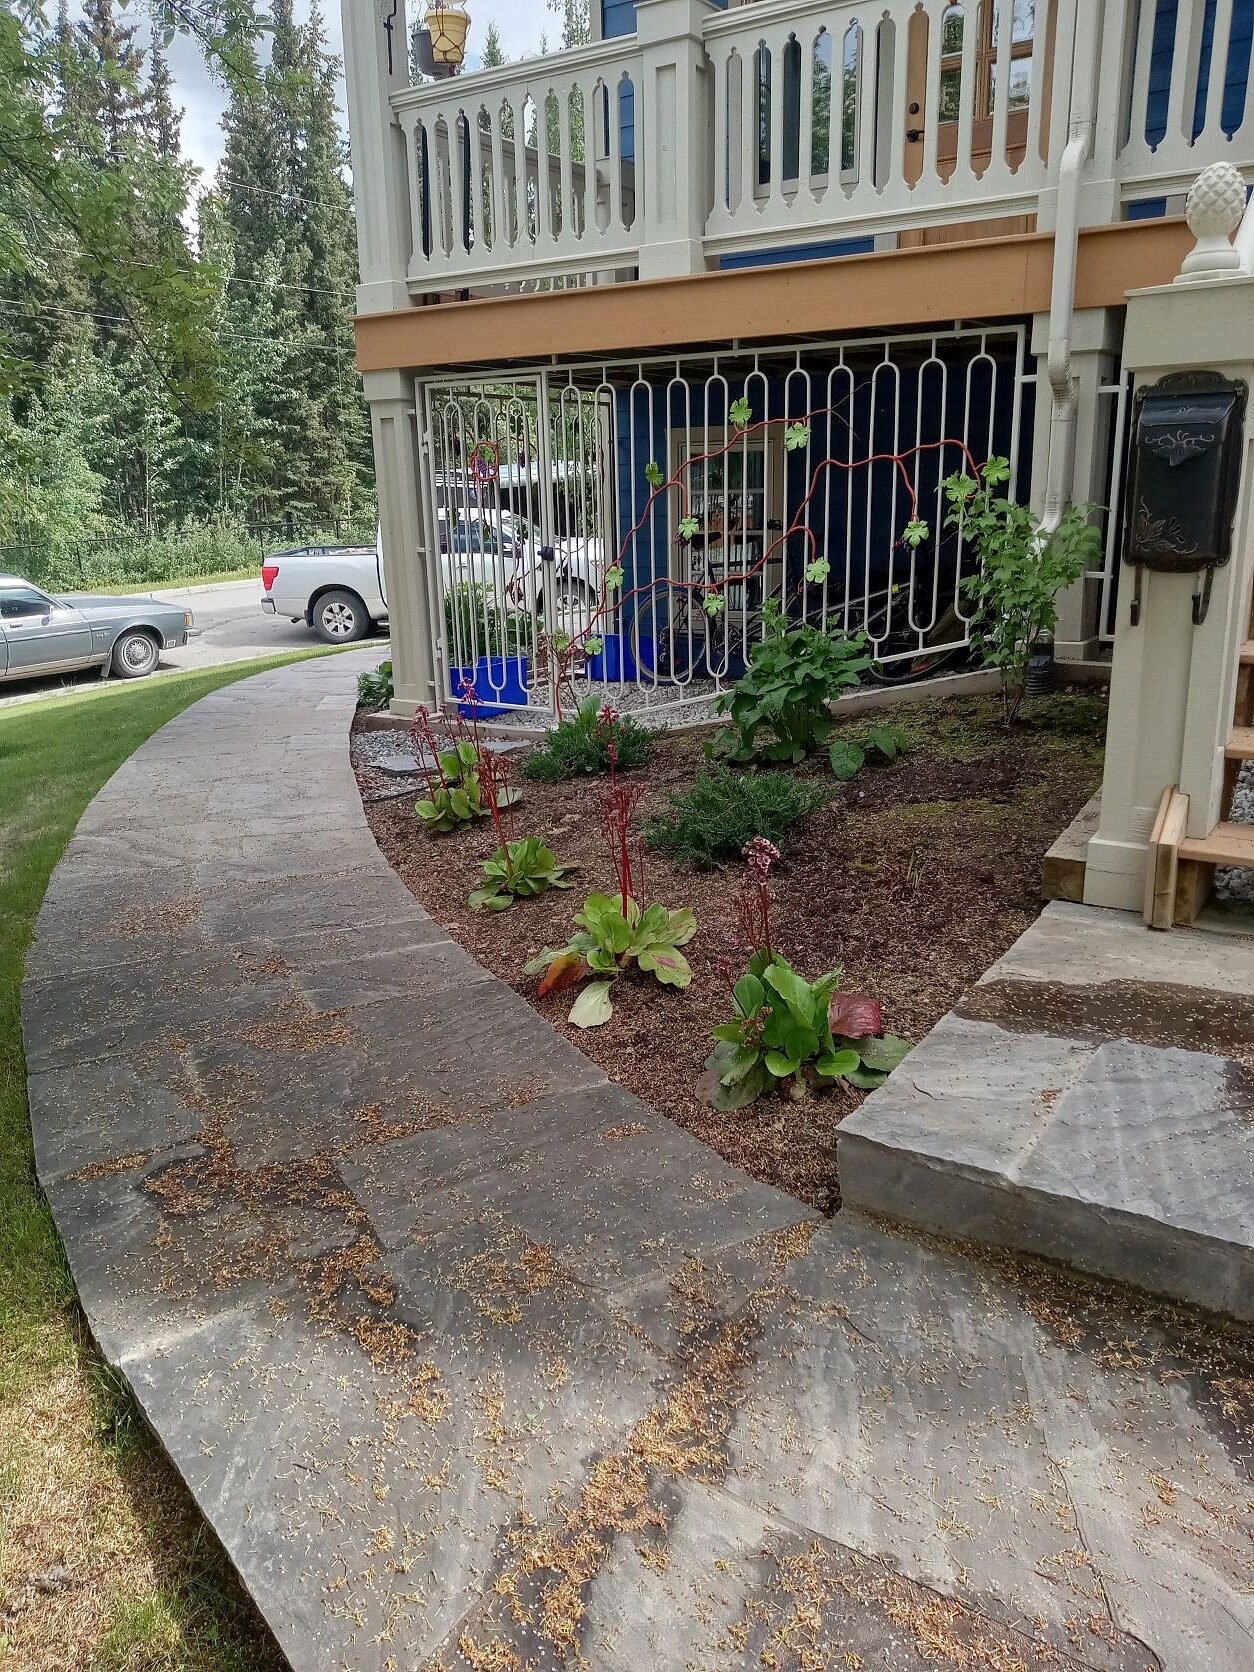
(914, 879)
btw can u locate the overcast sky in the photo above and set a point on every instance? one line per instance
(521, 22)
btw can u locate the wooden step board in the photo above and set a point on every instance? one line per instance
(1247, 654)
(1241, 744)
(1227, 844)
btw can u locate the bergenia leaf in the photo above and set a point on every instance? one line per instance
(593, 1006)
(883, 1055)
(566, 970)
(855, 1015)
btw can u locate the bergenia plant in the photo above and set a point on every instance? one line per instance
(520, 868)
(451, 769)
(618, 931)
(788, 1033)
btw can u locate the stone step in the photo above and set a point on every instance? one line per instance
(1227, 844)
(1241, 744)
(1054, 1111)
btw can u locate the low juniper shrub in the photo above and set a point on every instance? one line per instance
(710, 823)
(581, 745)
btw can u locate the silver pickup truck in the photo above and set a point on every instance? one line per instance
(340, 591)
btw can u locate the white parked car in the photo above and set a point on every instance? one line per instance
(341, 591)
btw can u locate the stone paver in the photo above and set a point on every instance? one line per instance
(1058, 1110)
(472, 1360)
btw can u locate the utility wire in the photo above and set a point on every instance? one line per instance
(18, 309)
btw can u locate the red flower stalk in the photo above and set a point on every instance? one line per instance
(427, 750)
(493, 782)
(753, 907)
(618, 807)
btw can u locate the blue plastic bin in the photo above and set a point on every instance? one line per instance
(500, 684)
(615, 661)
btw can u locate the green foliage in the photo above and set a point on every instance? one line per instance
(519, 871)
(581, 745)
(455, 793)
(741, 413)
(793, 674)
(712, 822)
(796, 436)
(477, 624)
(374, 687)
(152, 380)
(787, 1032)
(612, 934)
(653, 474)
(848, 757)
(1023, 568)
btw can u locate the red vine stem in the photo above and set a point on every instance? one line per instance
(797, 526)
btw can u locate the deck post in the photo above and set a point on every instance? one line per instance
(409, 566)
(673, 122)
(376, 65)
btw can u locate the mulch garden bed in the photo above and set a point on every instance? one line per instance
(913, 879)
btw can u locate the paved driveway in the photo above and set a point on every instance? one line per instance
(231, 628)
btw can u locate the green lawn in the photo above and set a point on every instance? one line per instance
(104, 1562)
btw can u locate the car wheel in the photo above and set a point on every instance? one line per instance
(340, 618)
(135, 654)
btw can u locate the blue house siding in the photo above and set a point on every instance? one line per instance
(1235, 79)
(870, 416)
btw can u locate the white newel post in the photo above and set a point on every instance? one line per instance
(1173, 683)
(673, 123)
(408, 575)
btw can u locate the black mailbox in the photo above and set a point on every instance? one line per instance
(1183, 476)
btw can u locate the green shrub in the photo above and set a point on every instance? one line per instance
(712, 822)
(374, 688)
(478, 625)
(793, 674)
(582, 745)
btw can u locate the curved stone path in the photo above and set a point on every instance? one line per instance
(471, 1359)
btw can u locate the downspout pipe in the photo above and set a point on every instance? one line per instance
(1060, 469)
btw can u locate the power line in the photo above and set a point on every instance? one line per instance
(234, 278)
(269, 191)
(18, 309)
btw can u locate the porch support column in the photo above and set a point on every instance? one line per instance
(1094, 362)
(1173, 685)
(376, 65)
(673, 123)
(408, 573)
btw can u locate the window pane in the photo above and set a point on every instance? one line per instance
(951, 30)
(1020, 83)
(1022, 24)
(950, 94)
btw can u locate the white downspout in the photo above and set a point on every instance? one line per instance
(1060, 469)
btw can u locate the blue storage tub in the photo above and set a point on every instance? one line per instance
(500, 684)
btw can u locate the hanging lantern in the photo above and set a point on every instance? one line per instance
(448, 26)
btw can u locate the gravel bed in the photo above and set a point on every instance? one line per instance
(1236, 887)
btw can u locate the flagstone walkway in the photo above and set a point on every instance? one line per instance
(472, 1360)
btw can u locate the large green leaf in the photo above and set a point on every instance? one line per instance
(884, 1054)
(847, 758)
(793, 989)
(593, 1006)
(750, 995)
(669, 965)
(838, 1065)
(781, 1066)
